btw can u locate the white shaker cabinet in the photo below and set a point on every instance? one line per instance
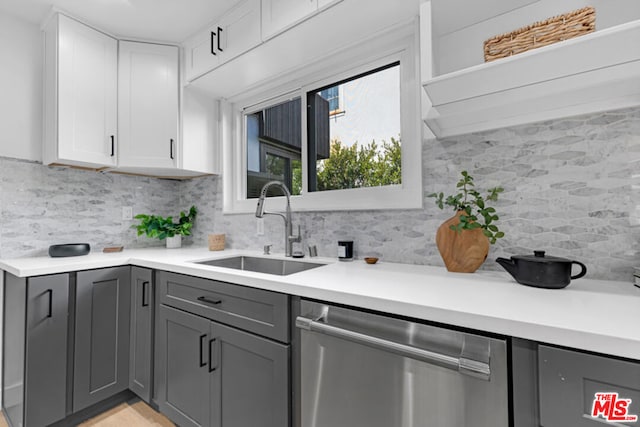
(233, 34)
(80, 95)
(147, 105)
(280, 14)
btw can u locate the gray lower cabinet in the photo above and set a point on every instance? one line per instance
(215, 375)
(569, 382)
(34, 384)
(101, 356)
(141, 333)
(182, 370)
(558, 387)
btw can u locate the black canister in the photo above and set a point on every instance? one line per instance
(345, 250)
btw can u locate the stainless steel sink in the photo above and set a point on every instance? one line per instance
(281, 267)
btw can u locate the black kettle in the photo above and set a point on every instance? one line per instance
(541, 271)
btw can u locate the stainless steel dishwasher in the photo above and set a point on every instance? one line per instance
(359, 369)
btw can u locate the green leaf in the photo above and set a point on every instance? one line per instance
(155, 226)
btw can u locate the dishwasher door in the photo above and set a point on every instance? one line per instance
(360, 369)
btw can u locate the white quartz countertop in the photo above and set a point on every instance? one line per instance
(594, 315)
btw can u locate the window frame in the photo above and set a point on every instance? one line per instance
(362, 59)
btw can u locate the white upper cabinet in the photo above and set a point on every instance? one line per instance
(200, 147)
(280, 14)
(595, 72)
(148, 105)
(80, 95)
(228, 37)
(326, 33)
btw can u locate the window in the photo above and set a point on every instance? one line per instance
(361, 147)
(341, 134)
(335, 97)
(274, 147)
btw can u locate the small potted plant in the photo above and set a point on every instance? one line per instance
(155, 226)
(463, 240)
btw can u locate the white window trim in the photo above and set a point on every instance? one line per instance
(401, 46)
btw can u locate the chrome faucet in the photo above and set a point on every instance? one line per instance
(289, 238)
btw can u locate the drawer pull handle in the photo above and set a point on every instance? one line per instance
(213, 365)
(50, 312)
(213, 37)
(145, 299)
(202, 362)
(219, 38)
(210, 301)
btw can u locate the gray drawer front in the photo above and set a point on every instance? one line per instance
(262, 312)
(568, 382)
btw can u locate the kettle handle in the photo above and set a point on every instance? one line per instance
(582, 273)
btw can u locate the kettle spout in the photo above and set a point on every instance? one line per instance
(508, 265)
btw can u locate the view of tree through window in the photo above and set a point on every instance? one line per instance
(361, 146)
(353, 137)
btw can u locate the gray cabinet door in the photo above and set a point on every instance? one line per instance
(250, 380)
(569, 382)
(262, 312)
(141, 333)
(101, 358)
(182, 370)
(46, 350)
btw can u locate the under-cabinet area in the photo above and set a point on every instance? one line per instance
(207, 352)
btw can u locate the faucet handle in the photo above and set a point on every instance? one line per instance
(267, 249)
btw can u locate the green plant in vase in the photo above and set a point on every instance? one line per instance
(463, 240)
(155, 226)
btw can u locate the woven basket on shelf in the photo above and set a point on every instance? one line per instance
(543, 33)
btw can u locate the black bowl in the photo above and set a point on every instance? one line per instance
(69, 249)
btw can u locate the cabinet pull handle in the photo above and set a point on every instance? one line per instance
(219, 38)
(213, 366)
(171, 148)
(145, 301)
(202, 362)
(213, 48)
(113, 145)
(50, 311)
(210, 301)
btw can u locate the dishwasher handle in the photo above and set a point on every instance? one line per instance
(473, 368)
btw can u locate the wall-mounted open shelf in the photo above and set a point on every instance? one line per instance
(596, 72)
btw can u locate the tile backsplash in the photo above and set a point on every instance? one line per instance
(571, 188)
(41, 206)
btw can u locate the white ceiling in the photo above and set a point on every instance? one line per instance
(153, 20)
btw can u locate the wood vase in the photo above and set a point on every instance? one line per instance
(464, 251)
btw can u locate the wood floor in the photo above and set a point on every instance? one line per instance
(134, 413)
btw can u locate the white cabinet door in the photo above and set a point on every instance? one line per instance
(325, 3)
(200, 132)
(147, 105)
(277, 15)
(200, 54)
(80, 94)
(235, 33)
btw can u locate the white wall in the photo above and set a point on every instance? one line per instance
(21, 96)
(20, 89)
